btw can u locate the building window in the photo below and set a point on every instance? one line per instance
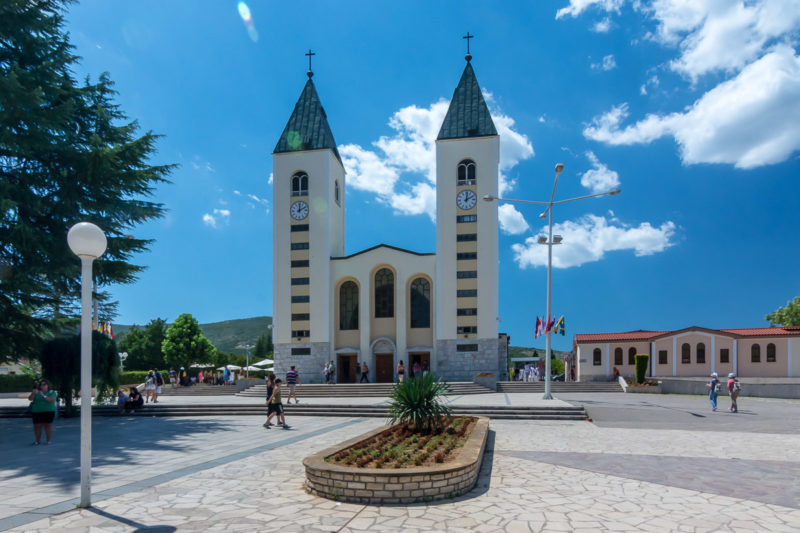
(301, 351)
(348, 305)
(467, 329)
(686, 353)
(300, 281)
(755, 353)
(336, 191)
(466, 172)
(299, 246)
(466, 237)
(467, 293)
(467, 312)
(463, 256)
(299, 227)
(701, 353)
(631, 356)
(300, 184)
(301, 333)
(597, 358)
(466, 347)
(466, 274)
(466, 218)
(662, 357)
(300, 263)
(724, 355)
(301, 299)
(617, 356)
(420, 303)
(301, 316)
(771, 353)
(384, 293)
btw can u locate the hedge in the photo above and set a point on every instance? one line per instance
(16, 383)
(641, 366)
(135, 377)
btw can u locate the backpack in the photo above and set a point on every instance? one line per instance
(159, 379)
(148, 380)
(737, 387)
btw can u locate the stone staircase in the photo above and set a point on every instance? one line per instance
(352, 411)
(559, 386)
(197, 390)
(354, 390)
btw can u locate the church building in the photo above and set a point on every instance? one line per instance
(385, 304)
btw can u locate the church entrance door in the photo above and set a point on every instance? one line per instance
(424, 360)
(384, 368)
(346, 367)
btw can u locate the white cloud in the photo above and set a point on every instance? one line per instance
(511, 221)
(220, 216)
(237, 193)
(750, 120)
(541, 119)
(576, 7)
(602, 26)
(599, 178)
(401, 168)
(608, 63)
(651, 82)
(255, 198)
(269, 181)
(590, 237)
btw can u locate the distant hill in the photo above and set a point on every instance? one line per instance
(521, 351)
(225, 336)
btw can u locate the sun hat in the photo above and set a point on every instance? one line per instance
(714, 375)
(731, 375)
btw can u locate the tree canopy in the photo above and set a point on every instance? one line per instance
(786, 316)
(144, 345)
(185, 343)
(68, 154)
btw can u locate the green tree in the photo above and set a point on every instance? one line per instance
(61, 365)
(786, 316)
(270, 346)
(262, 347)
(144, 345)
(67, 154)
(185, 343)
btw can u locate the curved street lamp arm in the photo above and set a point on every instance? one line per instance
(607, 193)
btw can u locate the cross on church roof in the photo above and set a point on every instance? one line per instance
(468, 37)
(310, 73)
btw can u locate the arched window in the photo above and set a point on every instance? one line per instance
(300, 184)
(617, 356)
(336, 191)
(597, 357)
(631, 355)
(348, 305)
(755, 353)
(420, 303)
(384, 293)
(701, 353)
(686, 353)
(466, 172)
(771, 353)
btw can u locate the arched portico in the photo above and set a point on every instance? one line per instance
(383, 350)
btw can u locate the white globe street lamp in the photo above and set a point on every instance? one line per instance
(88, 242)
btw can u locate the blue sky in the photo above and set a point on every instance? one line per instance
(693, 109)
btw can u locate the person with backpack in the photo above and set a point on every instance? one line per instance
(149, 386)
(734, 388)
(713, 390)
(159, 383)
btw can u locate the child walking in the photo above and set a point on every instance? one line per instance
(275, 406)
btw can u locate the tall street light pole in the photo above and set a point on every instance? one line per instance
(88, 242)
(550, 241)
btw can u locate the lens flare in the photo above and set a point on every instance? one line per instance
(244, 12)
(247, 18)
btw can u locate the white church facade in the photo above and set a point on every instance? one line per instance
(386, 304)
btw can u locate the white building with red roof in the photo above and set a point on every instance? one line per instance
(693, 351)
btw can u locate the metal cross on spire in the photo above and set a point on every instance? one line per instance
(468, 37)
(310, 73)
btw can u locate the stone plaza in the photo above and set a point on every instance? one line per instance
(645, 464)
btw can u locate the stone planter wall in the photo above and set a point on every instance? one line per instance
(397, 485)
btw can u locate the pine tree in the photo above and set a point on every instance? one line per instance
(67, 154)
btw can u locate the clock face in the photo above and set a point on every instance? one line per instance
(299, 210)
(466, 199)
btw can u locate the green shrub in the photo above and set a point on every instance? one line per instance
(641, 366)
(556, 367)
(135, 377)
(418, 401)
(16, 383)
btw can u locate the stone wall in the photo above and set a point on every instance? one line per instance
(452, 365)
(404, 485)
(309, 366)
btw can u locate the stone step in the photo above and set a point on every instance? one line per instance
(558, 386)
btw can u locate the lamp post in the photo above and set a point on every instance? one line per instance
(122, 357)
(550, 241)
(88, 242)
(246, 348)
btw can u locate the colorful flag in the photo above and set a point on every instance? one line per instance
(111, 331)
(537, 331)
(562, 330)
(100, 327)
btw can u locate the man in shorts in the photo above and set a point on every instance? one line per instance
(159, 383)
(275, 407)
(292, 380)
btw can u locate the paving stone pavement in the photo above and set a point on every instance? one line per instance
(536, 477)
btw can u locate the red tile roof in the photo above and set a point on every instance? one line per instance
(641, 335)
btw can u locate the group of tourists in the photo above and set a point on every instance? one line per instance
(152, 385)
(734, 389)
(274, 403)
(130, 402)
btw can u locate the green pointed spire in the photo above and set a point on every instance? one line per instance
(308, 127)
(468, 115)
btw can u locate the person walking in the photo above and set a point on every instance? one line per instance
(159, 383)
(149, 386)
(173, 377)
(326, 375)
(292, 380)
(364, 372)
(332, 372)
(734, 388)
(416, 369)
(401, 372)
(713, 390)
(44, 403)
(275, 407)
(270, 388)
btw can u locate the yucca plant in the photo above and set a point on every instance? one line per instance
(419, 402)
